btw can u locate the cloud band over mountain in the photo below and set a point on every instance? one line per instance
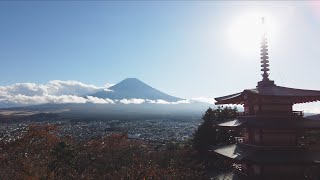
(55, 88)
(60, 92)
(55, 91)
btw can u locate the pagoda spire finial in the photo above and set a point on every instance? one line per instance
(264, 55)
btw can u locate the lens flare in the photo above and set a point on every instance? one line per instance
(247, 30)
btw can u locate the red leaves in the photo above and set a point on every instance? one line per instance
(41, 153)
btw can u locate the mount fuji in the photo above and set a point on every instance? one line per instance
(134, 88)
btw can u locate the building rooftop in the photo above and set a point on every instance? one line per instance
(270, 155)
(294, 95)
(274, 123)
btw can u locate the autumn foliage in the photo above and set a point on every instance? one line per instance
(43, 153)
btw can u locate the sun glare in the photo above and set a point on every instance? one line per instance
(247, 30)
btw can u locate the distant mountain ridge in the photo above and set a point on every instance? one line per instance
(134, 88)
(314, 117)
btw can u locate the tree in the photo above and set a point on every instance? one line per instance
(27, 157)
(208, 134)
(43, 152)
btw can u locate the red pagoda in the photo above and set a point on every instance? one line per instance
(273, 142)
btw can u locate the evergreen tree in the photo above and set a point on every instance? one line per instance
(208, 134)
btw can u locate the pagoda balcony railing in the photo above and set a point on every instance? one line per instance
(273, 113)
(243, 114)
(239, 139)
(271, 146)
(298, 113)
(240, 168)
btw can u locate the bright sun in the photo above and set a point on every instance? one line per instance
(246, 32)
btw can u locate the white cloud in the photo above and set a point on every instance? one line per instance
(97, 100)
(55, 91)
(21, 99)
(107, 85)
(184, 101)
(204, 99)
(160, 101)
(58, 87)
(55, 87)
(132, 101)
(28, 89)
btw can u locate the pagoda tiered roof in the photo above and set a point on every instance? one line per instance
(272, 155)
(272, 123)
(294, 95)
(273, 142)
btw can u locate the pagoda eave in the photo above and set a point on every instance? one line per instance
(271, 123)
(268, 155)
(294, 96)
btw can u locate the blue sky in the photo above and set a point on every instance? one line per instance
(180, 47)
